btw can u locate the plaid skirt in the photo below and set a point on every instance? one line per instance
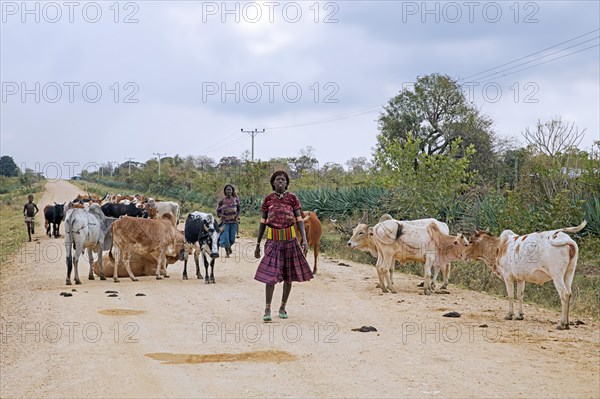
(283, 261)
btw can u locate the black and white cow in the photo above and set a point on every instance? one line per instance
(53, 216)
(202, 231)
(118, 210)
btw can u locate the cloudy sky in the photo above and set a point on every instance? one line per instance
(99, 82)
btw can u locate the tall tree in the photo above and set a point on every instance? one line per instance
(8, 167)
(435, 113)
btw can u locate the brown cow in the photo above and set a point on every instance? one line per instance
(141, 265)
(144, 236)
(314, 231)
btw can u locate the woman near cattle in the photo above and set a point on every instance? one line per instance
(284, 259)
(29, 211)
(228, 210)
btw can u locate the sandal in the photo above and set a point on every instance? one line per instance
(283, 314)
(267, 316)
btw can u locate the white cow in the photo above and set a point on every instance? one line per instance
(163, 207)
(534, 258)
(86, 228)
(362, 239)
(409, 242)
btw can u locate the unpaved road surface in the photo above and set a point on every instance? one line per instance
(189, 339)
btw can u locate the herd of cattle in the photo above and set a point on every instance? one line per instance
(143, 234)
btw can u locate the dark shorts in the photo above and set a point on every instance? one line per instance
(283, 261)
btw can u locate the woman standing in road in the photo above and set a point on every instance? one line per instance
(284, 259)
(228, 210)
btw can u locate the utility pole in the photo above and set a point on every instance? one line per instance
(129, 165)
(158, 154)
(111, 168)
(253, 133)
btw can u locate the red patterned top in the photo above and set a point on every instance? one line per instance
(280, 211)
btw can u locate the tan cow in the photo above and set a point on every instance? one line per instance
(399, 240)
(144, 236)
(534, 258)
(314, 231)
(362, 240)
(141, 265)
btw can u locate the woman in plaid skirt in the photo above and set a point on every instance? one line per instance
(284, 259)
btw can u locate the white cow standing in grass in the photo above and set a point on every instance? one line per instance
(534, 258)
(363, 240)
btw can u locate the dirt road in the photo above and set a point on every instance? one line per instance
(188, 339)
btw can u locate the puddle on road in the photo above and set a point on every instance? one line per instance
(257, 356)
(120, 312)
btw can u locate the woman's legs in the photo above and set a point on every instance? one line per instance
(224, 240)
(287, 288)
(269, 289)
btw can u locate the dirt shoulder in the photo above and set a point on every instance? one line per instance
(189, 339)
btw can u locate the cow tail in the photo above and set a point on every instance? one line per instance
(110, 255)
(399, 231)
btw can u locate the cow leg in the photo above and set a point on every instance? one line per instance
(58, 229)
(69, 262)
(388, 277)
(78, 252)
(159, 266)
(520, 289)
(565, 298)
(116, 265)
(48, 227)
(212, 269)
(126, 259)
(510, 290)
(197, 261)
(316, 249)
(91, 259)
(380, 272)
(206, 276)
(445, 275)
(391, 271)
(429, 262)
(100, 272)
(185, 259)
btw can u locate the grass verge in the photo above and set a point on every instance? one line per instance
(13, 231)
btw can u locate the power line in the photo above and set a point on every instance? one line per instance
(529, 55)
(542, 57)
(332, 119)
(554, 59)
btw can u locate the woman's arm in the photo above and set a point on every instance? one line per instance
(300, 224)
(261, 231)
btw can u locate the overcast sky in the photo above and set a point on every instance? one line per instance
(105, 81)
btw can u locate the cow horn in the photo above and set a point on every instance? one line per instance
(206, 227)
